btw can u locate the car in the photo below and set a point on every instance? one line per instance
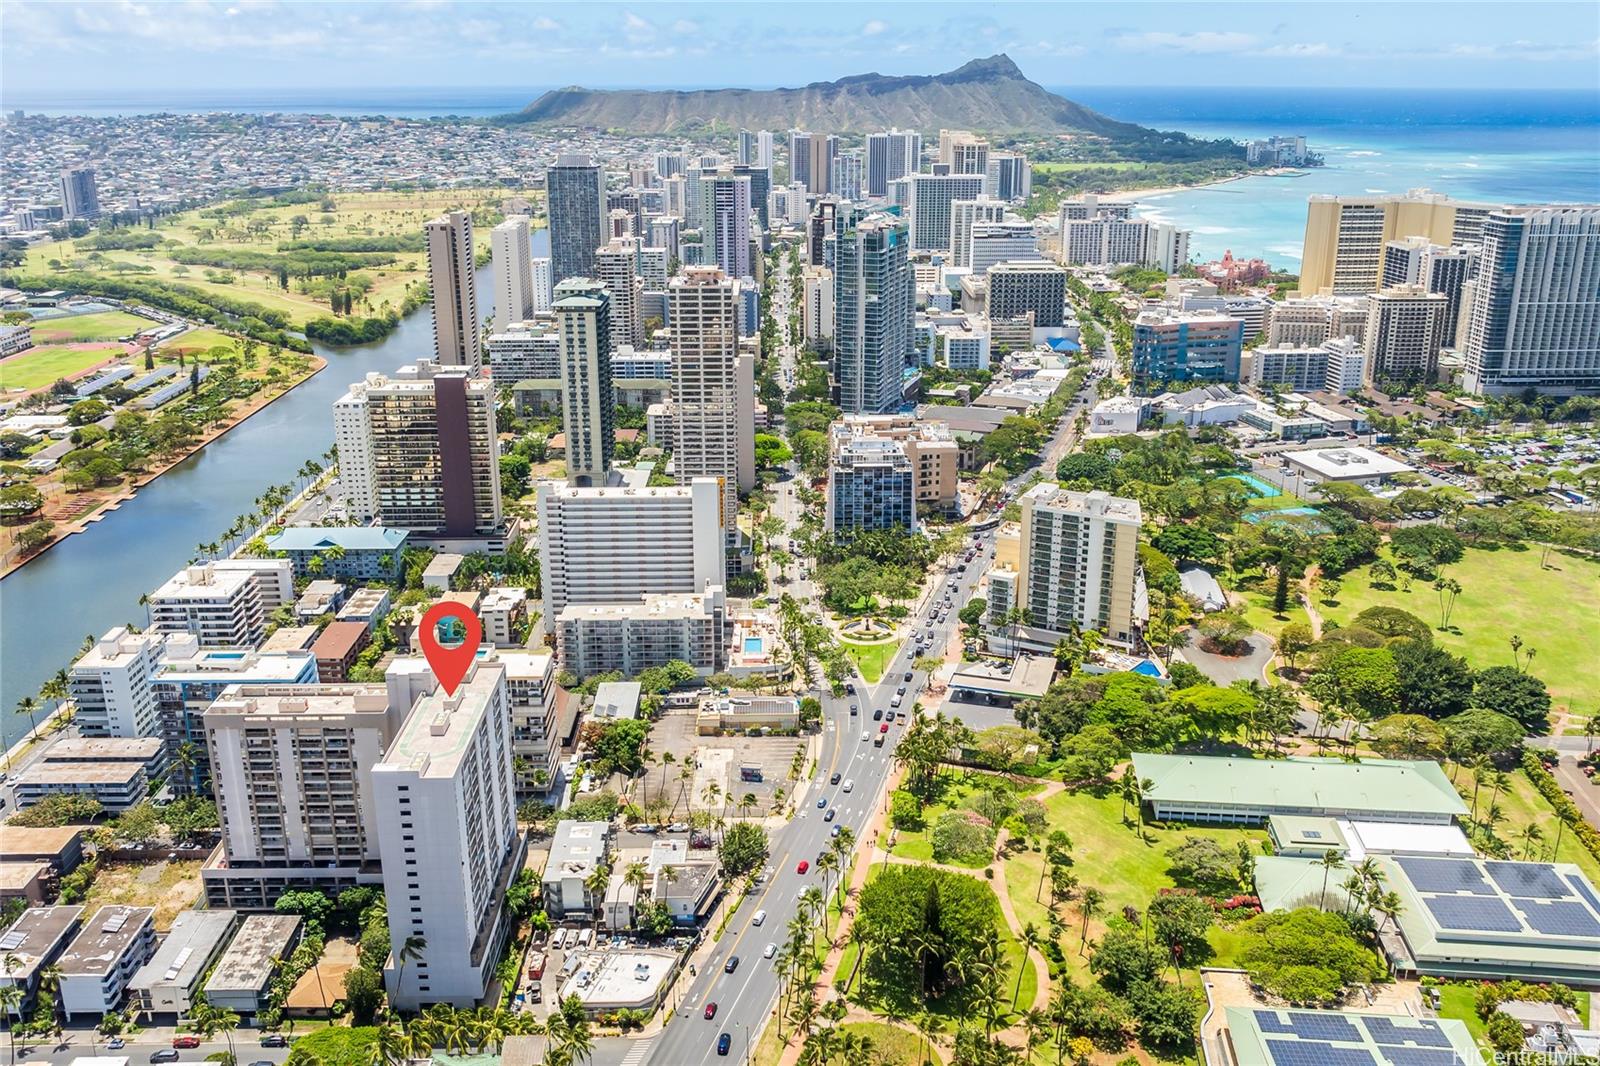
(822, 801)
(186, 1041)
(884, 728)
(769, 951)
(850, 687)
(908, 675)
(263, 1062)
(166, 1054)
(877, 714)
(865, 736)
(724, 1042)
(803, 867)
(835, 830)
(678, 827)
(711, 1010)
(854, 710)
(834, 780)
(647, 828)
(760, 917)
(733, 964)
(896, 701)
(830, 815)
(850, 786)
(901, 691)
(116, 1043)
(279, 1040)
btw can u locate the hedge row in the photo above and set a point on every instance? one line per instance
(1566, 810)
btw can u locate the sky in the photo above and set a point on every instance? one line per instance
(64, 46)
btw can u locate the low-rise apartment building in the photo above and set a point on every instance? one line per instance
(102, 959)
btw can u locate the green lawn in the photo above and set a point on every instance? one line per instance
(104, 326)
(1050, 168)
(1457, 1001)
(1503, 593)
(871, 659)
(196, 340)
(1255, 589)
(43, 364)
(893, 1045)
(1522, 806)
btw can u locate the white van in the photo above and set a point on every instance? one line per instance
(760, 917)
(558, 941)
(849, 786)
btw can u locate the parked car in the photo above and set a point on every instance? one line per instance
(279, 1040)
(166, 1054)
(186, 1041)
(116, 1043)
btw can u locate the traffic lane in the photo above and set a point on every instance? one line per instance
(77, 1044)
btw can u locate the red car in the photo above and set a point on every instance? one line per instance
(884, 728)
(803, 867)
(711, 1010)
(186, 1041)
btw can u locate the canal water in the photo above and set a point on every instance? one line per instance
(92, 581)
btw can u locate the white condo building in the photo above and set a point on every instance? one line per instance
(993, 243)
(613, 545)
(932, 197)
(291, 770)
(543, 284)
(588, 402)
(713, 387)
(452, 273)
(616, 267)
(513, 272)
(111, 685)
(964, 216)
(221, 608)
(447, 829)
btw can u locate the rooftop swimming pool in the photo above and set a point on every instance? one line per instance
(754, 645)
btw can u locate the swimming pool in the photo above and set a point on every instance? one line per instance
(753, 645)
(1307, 518)
(1264, 489)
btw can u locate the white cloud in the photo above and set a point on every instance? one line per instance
(1201, 42)
(873, 28)
(546, 25)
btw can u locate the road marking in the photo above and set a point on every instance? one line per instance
(638, 1053)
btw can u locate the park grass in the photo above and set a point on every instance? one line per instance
(44, 364)
(1253, 590)
(871, 659)
(376, 214)
(893, 1045)
(195, 341)
(1458, 1001)
(1061, 168)
(1127, 867)
(102, 326)
(1505, 592)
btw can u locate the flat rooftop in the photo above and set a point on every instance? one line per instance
(104, 749)
(1386, 785)
(36, 934)
(17, 875)
(1027, 675)
(1267, 1037)
(612, 980)
(26, 842)
(292, 704)
(436, 733)
(104, 939)
(1341, 464)
(81, 773)
(187, 949)
(617, 699)
(576, 849)
(246, 965)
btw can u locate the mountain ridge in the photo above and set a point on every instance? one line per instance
(988, 95)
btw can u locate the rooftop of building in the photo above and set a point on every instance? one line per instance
(1341, 463)
(1262, 1035)
(104, 749)
(1417, 787)
(339, 639)
(22, 841)
(350, 538)
(187, 949)
(296, 703)
(659, 607)
(80, 773)
(104, 939)
(617, 699)
(116, 649)
(1102, 504)
(503, 599)
(212, 664)
(203, 582)
(443, 565)
(576, 848)
(435, 735)
(247, 964)
(1026, 675)
(34, 935)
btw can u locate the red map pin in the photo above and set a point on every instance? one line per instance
(450, 662)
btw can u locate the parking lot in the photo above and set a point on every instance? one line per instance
(714, 760)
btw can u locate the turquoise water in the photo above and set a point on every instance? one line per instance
(1305, 517)
(753, 645)
(1264, 489)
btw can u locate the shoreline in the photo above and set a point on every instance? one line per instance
(130, 489)
(1167, 190)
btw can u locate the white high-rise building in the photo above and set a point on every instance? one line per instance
(111, 685)
(452, 273)
(535, 732)
(817, 314)
(1108, 240)
(763, 148)
(543, 284)
(613, 545)
(993, 243)
(930, 210)
(1534, 320)
(964, 215)
(1305, 322)
(419, 451)
(1078, 565)
(513, 272)
(726, 203)
(849, 176)
(1405, 325)
(588, 400)
(221, 608)
(713, 387)
(447, 830)
(1010, 177)
(616, 267)
(291, 770)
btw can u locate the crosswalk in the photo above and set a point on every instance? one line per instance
(638, 1052)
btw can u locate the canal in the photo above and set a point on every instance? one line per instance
(92, 581)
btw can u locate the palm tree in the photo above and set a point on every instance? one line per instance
(1330, 859)
(11, 1005)
(389, 1047)
(637, 875)
(184, 759)
(1030, 942)
(411, 950)
(29, 706)
(1091, 900)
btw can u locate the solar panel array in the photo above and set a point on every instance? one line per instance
(1532, 899)
(1314, 1038)
(1445, 875)
(1527, 879)
(1425, 1033)
(1472, 913)
(1308, 1025)
(1558, 918)
(1291, 1052)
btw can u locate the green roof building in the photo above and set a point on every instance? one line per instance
(1229, 790)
